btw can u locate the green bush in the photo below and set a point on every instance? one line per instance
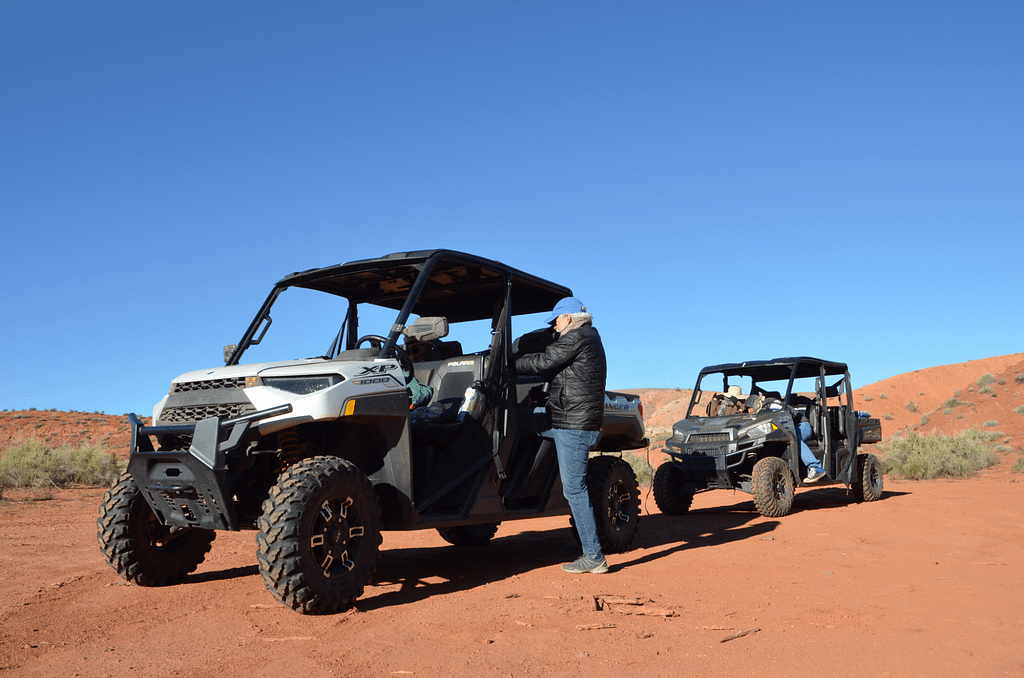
(1019, 409)
(1018, 466)
(911, 406)
(641, 467)
(991, 423)
(883, 396)
(985, 379)
(918, 457)
(32, 464)
(1019, 378)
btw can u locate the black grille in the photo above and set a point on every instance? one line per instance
(709, 438)
(209, 385)
(710, 452)
(176, 415)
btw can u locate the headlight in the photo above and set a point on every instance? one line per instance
(758, 430)
(303, 385)
(681, 429)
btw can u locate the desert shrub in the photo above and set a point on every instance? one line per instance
(867, 398)
(986, 390)
(1019, 378)
(1002, 449)
(924, 420)
(1019, 409)
(641, 467)
(883, 396)
(985, 379)
(33, 464)
(1018, 466)
(911, 406)
(887, 416)
(991, 423)
(919, 457)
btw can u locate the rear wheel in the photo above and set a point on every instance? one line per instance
(319, 537)
(868, 486)
(615, 497)
(773, 487)
(672, 493)
(138, 547)
(468, 535)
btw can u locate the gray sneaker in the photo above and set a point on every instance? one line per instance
(586, 564)
(814, 474)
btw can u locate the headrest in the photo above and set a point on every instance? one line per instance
(426, 329)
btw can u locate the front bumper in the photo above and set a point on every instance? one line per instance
(193, 488)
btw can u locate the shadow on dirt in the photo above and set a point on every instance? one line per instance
(425, 572)
(831, 496)
(221, 575)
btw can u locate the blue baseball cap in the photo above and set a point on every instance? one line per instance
(566, 305)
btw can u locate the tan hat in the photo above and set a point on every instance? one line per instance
(734, 392)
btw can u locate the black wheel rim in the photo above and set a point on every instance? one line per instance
(779, 485)
(875, 477)
(336, 537)
(618, 505)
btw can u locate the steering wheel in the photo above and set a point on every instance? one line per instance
(404, 361)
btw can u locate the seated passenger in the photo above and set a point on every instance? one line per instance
(733, 402)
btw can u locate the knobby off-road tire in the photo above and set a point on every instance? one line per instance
(468, 535)
(138, 547)
(868, 486)
(773, 487)
(672, 493)
(615, 497)
(319, 536)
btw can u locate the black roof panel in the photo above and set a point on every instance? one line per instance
(460, 286)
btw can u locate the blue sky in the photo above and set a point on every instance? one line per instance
(718, 181)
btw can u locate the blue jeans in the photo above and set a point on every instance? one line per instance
(572, 447)
(806, 456)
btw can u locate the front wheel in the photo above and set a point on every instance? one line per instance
(868, 486)
(138, 547)
(319, 537)
(672, 493)
(615, 497)
(773, 487)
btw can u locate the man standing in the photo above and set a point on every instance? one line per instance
(574, 364)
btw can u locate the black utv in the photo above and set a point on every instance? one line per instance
(741, 432)
(318, 455)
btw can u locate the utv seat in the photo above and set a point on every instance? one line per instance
(450, 381)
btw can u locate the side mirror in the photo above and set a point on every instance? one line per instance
(229, 351)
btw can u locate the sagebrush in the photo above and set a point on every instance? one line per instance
(33, 464)
(937, 455)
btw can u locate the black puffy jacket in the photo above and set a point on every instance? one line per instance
(576, 367)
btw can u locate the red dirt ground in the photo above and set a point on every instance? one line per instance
(928, 581)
